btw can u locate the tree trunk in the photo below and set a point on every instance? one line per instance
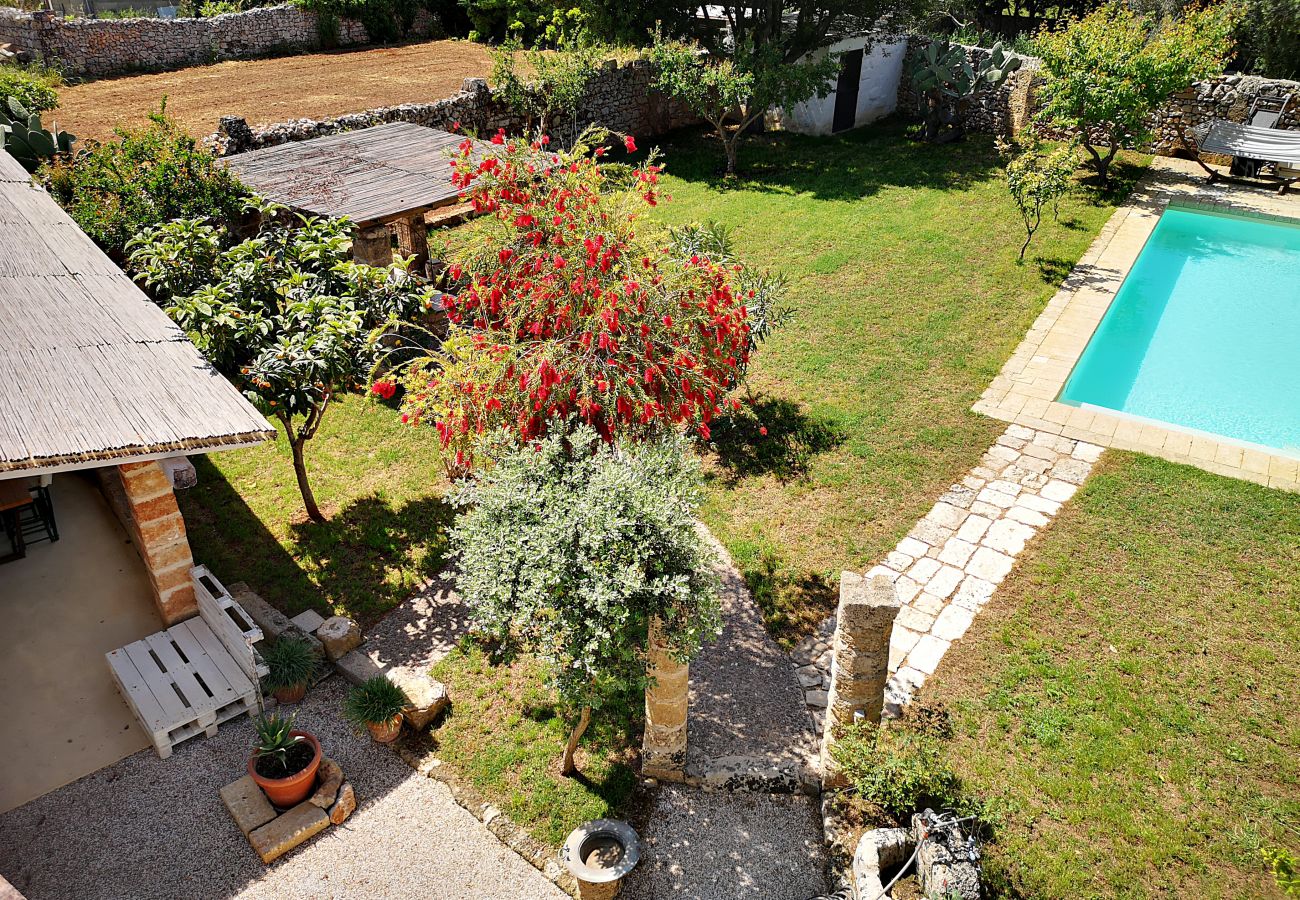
(1029, 233)
(730, 148)
(567, 766)
(300, 469)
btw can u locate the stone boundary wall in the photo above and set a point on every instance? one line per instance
(1229, 97)
(619, 98)
(100, 47)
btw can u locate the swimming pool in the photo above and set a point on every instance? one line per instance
(1204, 333)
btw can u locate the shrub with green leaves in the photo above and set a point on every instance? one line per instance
(375, 702)
(900, 770)
(35, 87)
(145, 177)
(292, 662)
(1038, 177)
(558, 83)
(567, 549)
(287, 316)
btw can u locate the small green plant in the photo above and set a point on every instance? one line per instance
(1286, 870)
(293, 662)
(27, 140)
(275, 741)
(1038, 177)
(376, 702)
(900, 770)
(35, 87)
(558, 83)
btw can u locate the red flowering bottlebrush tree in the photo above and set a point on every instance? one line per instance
(569, 306)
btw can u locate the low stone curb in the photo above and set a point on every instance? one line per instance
(543, 858)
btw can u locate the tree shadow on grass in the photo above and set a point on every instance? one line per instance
(358, 561)
(848, 166)
(792, 439)
(793, 603)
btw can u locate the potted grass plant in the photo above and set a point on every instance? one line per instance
(377, 704)
(293, 663)
(284, 761)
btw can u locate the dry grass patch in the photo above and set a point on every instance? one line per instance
(310, 85)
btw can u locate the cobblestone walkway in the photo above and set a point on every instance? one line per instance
(952, 561)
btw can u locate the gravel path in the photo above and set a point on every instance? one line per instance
(422, 630)
(149, 828)
(715, 845)
(745, 698)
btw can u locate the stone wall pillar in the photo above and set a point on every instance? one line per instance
(413, 240)
(663, 752)
(373, 245)
(142, 496)
(859, 660)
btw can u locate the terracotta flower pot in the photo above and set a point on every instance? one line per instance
(291, 694)
(386, 732)
(290, 791)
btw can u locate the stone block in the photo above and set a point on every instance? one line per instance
(927, 653)
(308, 620)
(329, 779)
(247, 804)
(357, 667)
(1058, 491)
(272, 622)
(181, 472)
(339, 635)
(344, 805)
(288, 830)
(989, 565)
(428, 697)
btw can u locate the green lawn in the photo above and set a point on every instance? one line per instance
(1131, 696)
(380, 485)
(908, 299)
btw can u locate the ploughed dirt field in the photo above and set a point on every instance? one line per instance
(312, 85)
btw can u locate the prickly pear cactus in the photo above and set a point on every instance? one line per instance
(26, 139)
(947, 82)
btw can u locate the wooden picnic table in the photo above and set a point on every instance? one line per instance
(379, 177)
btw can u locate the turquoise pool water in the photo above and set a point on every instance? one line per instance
(1205, 332)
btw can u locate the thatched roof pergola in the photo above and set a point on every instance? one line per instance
(91, 371)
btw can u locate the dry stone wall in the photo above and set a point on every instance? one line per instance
(100, 47)
(1008, 108)
(620, 98)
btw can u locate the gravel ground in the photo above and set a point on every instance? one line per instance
(422, 630)
(149, 828)
(714, 845)
(745, 698)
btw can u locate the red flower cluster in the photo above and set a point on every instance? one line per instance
(565, 308)
(384, 388)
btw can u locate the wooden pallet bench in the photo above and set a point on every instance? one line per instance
(193, 676)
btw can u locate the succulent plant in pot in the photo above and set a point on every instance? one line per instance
(377, 704)
(293, 663)
(284, 761)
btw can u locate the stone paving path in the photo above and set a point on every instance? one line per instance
(147, 828)
(952, 561)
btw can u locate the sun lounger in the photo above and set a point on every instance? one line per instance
(1281, 148)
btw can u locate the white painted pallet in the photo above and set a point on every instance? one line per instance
(190, 678)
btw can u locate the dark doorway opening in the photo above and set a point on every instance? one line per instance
(846, 90)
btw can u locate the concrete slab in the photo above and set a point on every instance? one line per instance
(61, 609)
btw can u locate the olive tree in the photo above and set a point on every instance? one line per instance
(1106, 73)
(569, 546)
(287, 316)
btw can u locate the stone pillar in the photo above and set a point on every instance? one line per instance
(155, 523)
(859, 659)
(373, 245)
(413, 240)
(663, 752)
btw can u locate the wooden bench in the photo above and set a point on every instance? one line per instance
(193, 676)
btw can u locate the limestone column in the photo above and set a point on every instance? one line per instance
(373, 245)
(666, 702)
(859, 660)
(413, 240)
